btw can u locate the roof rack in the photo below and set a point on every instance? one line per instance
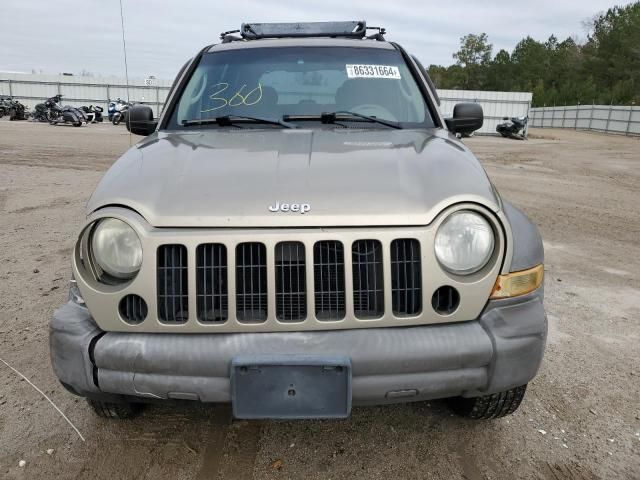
(256, 31)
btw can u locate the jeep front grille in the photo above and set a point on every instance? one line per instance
(291, 286)
(368, 283)
(306, 277)
(406, 278)
(211, 283)
(251, 282)
(173, 294)
(328, 277)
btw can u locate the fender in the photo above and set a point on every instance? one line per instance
(528, 250)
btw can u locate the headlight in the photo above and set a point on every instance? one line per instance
(464, 242)
(116, 248)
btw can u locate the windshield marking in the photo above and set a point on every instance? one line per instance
(232, 102)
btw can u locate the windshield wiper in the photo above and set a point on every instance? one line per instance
(229, 120)
(330, 118)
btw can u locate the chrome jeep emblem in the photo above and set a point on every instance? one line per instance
(290, 207)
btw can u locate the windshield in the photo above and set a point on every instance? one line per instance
(272, 83)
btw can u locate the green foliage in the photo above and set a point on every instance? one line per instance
(605, 69)
(474, 50)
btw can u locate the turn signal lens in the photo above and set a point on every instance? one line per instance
(518, 283)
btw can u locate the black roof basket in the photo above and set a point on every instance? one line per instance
(256, 31)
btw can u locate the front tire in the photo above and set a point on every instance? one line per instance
(118, 411)
(486, 407)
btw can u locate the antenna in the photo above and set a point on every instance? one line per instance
(126, 66)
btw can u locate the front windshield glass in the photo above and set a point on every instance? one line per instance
(302, 81)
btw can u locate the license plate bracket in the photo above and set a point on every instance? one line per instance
(291, 386)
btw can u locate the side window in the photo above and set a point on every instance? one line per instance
(423, 70)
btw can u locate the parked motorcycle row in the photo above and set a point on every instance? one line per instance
(53, 112)
(513, 127)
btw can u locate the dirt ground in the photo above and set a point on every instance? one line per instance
(580, 418)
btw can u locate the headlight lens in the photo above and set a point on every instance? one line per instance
(464, 243)
(116, 248)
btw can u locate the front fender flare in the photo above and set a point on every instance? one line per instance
(528, 250)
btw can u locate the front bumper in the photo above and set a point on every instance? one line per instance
(501, 349)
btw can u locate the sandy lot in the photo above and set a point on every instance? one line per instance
(582, 189)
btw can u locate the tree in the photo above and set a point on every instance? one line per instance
(500, 73)
(473, 57)
(613, 53)
(474, 50)
(605, 68)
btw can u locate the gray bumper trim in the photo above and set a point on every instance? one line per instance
(501, 350)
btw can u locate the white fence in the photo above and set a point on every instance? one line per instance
(623, 120)
(495, 105)
(32, 89)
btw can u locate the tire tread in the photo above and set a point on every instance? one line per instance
(486, 407)
(111, 410)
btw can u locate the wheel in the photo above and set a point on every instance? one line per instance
(116, 119)
(77, 124)
(119, 411)
(485, 407)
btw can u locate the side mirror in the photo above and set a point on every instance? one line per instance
(140, 120)
(467, 118)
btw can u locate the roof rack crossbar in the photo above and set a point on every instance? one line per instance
(351, 29)
(229, 32)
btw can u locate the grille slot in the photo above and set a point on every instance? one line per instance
(368, 289)
(211, 283)
(291, 285)
(406, 277)
(251, 282)
(328, 272)
(173, 295)
(133, 309)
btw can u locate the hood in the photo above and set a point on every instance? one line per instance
(343, 177)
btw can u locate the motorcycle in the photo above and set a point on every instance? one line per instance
(13, 108)
(5, 104)
(40, 113)
(512, 127)
(50, 111)
(118, 110)
(94, 112)
(17, 111)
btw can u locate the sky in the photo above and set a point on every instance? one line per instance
(55, 36)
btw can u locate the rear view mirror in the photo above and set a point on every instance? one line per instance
(467, 118)
(140, 120)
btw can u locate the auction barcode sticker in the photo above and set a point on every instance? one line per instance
(373, 71)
